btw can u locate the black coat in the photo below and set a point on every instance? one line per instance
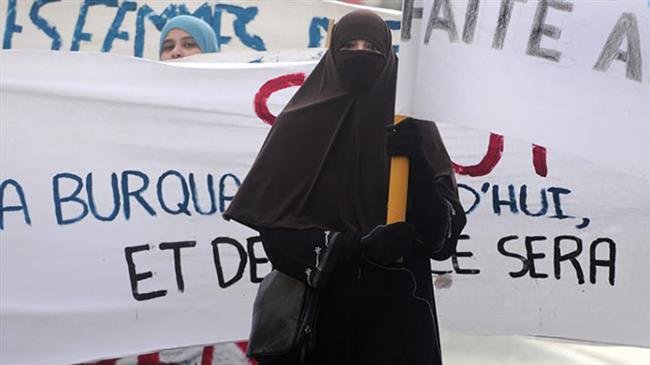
(370, 313)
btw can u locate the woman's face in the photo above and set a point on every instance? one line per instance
(360, 45)
(359, 62)
(178, 44)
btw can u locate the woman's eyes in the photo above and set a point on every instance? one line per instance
(366, 45)
(187, 44)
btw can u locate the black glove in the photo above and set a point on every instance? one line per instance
(388, 243)
(405, 139)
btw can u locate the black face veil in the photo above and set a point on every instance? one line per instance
(324, 162)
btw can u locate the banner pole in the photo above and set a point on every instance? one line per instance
(398, 185)
(330, 27)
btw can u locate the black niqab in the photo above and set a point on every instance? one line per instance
(324, 163)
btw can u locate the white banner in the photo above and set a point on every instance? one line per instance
(112, 186)
(572, 75)
(132, 27)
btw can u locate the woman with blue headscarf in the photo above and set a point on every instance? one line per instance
(184, 36)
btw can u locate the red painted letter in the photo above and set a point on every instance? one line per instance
(489, 161)
(271, 86)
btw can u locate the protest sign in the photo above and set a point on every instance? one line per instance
(570, 75)
(132, 27)
(112, 186)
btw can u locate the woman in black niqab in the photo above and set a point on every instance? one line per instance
(317, 194)
(323, 164)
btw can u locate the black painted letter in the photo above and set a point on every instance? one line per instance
(502, 250)
(505, 12)
(135, 276)
(532, 256)
(471, 15)
(217, 260)
(540, 29)
(445, 23)
(558, 257)
(176, 247)
(626, 28)
(254, 260)
(610, 262)
(457, 254)
(410, 12)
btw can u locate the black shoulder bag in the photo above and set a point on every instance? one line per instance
(284, 314)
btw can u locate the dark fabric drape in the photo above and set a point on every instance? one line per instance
(324, 163)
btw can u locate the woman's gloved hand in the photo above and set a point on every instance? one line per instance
(386, 244)
(405, 139)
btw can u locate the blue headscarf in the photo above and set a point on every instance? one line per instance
(202, 33)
